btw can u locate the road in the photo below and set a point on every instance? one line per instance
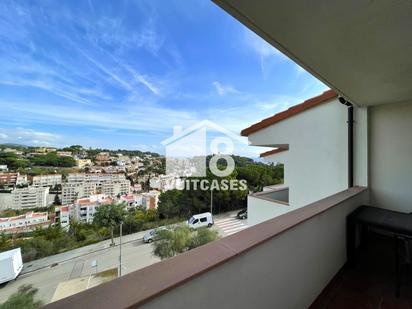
(77, 263)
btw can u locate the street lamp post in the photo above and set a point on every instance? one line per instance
(211, 201)
(120, 249)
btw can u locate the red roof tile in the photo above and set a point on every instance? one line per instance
(273, 151)
(327, 95)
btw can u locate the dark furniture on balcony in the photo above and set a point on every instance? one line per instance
(395, 224)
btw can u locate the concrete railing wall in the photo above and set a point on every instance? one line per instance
(288, 271)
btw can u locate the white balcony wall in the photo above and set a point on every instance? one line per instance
(391, 156)
(316, 164)
(286, 271)
(267, 205)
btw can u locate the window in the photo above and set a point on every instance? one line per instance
(204, 219)
(195, 221)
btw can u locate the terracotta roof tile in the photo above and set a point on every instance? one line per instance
(327, 95)
(273, 151)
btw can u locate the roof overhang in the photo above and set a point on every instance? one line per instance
(360, 48)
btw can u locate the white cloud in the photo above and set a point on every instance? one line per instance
(259, 45)
(267, 54)
(133, 116)
(28, 136)
(224, 89)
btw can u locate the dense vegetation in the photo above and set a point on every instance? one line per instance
(54, 239)
(50, 159)
(171, 242)
(24, 298)
(184, 203)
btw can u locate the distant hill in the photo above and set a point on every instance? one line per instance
(13, 145)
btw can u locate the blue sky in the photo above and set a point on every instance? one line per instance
(121, 74)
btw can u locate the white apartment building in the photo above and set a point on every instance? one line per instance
(83, 210)
(24, 223)
(74, 190)
(3, 168)
(62, 216)
(97, 178)
(30, 197)
(49, 180)
(164, 182)
(115, 188)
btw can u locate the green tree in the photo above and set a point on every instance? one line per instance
(109, 216)
(203, 236)
(24, 298)
(57, 200)
(171, 242)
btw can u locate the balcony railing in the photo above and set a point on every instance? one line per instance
(284, 262)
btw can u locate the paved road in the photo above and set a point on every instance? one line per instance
(77, 263)
(136, 255)
(229, 225)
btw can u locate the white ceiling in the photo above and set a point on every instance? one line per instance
(360, 48)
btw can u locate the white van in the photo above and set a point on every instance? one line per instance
(201, 220)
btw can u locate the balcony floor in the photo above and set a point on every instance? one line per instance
(371, 284)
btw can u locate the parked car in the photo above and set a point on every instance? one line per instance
(201, 220)
(242, 214)
(149, 236)
(11, 265)
(152, 235)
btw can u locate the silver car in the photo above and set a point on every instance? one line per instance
(149, 236)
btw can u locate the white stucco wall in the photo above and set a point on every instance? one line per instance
(391, 156)
(287, 271)
(316, 162)
(260, 210)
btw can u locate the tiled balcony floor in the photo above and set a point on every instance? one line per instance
(371, 284)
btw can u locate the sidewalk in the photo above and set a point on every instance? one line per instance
(72, 254)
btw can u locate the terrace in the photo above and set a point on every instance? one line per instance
(298, 259)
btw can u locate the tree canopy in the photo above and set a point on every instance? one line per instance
(171, 242)
(24, 298)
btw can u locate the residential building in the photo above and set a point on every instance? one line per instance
(102, 158)
(81, 163)
(64, 153)
(150, 199)
(24, 223)
(30, 197)
(163, 182)
(3, 168)
(49, 180)
(94, 177)
(21, 180)
(44, 149)
(115, 188)
(12, 179)
(73, 190)
(132, 200)
(361, 49)
(328, 157)
(8, 179)
(62, 216)
(85, 208)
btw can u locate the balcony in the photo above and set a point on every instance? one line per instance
(285, 262)
(270, 203)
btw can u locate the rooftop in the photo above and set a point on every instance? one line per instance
(296, 109)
